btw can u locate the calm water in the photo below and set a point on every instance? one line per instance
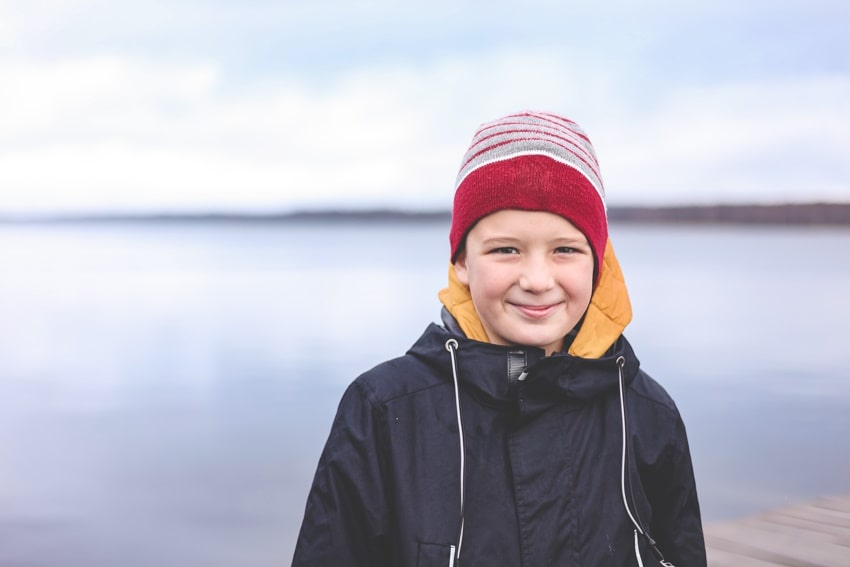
(165, 390)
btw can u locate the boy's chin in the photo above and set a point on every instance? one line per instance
(550, 342)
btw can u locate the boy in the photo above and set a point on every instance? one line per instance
(521, 432)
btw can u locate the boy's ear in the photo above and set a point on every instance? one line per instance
(461, 270)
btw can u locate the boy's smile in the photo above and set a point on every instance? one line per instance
(530, 275)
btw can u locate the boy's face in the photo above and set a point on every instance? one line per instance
(530, 275)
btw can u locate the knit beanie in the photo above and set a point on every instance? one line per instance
(532, 161)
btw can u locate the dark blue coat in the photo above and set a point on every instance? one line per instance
(542, 469)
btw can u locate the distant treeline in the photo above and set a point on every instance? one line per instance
(797, 213)
(789, 214)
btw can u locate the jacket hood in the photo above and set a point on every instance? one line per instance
(608, 314)
(485, 370)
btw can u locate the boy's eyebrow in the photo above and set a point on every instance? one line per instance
(572, 240)
(505, 239)
(500, 240)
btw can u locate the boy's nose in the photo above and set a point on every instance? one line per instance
(536, 276)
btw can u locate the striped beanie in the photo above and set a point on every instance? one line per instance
(532, 161)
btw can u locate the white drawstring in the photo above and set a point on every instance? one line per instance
(451, 346)
(637, 550)
(620, 362)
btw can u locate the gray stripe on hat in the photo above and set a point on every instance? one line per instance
(504, 147)
(533, 134)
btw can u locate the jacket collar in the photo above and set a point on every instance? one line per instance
(487, 372)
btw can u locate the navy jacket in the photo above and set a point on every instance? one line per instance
(543, 476)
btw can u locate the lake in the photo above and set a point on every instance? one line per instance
(166, 389)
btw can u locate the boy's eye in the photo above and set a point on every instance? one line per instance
(505, 250)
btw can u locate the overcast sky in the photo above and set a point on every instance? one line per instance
(256, 105)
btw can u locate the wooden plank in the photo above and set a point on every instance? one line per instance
(721, 558)
(808, 524)
(815, 534)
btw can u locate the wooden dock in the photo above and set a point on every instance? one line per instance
(814, 534)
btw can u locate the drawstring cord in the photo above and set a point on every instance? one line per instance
(621, 362)
(451, 346)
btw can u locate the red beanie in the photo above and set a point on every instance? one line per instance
(531, 161)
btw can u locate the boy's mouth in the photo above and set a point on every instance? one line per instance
(536, 311)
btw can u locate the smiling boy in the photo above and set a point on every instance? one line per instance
(521, 431)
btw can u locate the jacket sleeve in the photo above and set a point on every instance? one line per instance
(345, 521)
(676, 524)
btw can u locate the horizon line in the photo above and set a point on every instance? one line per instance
(814, 212)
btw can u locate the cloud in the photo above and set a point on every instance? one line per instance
(766, 140)
(113, 132)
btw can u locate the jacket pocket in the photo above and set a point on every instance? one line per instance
(434, 555)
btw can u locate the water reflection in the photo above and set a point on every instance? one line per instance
(165, 390)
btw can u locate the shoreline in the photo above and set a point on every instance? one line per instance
(806, 214)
